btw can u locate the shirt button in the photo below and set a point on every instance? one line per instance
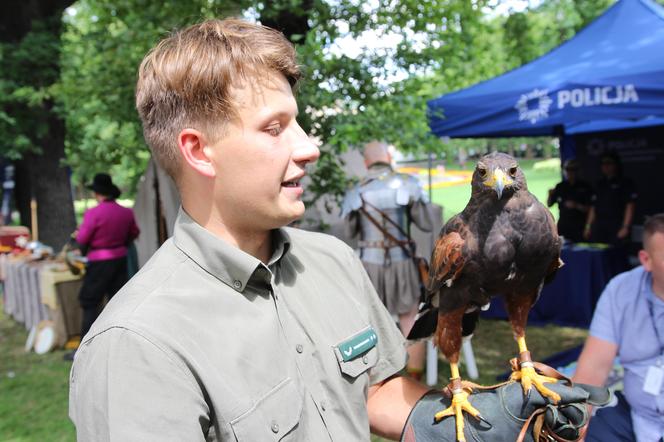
(274, 427)
(299, 348)
(365, 359)
(323, 405)
(237, 284)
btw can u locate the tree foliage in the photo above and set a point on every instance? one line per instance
(403, 52)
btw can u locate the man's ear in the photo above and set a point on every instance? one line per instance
(644, 257)
(194, 147)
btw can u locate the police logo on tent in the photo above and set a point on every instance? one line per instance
(534, 106)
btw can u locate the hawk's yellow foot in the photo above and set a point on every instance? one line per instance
(459, 404)
(529, 378)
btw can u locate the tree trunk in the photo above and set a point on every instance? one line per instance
(40, 174)
(50, 185)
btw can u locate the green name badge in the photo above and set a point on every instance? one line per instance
(358, 344)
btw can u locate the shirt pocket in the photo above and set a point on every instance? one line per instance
(272, 417)
(364, 360)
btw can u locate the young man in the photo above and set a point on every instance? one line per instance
(239, 328)
(629, 322)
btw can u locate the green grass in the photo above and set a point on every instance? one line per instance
(33, 390)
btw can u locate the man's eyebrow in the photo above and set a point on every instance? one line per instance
(279, 114)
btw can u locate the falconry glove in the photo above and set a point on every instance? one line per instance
(509, 415)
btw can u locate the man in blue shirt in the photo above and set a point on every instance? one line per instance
(629, 322)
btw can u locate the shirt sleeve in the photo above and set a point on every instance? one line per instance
(605, 320)
(87, 229)
(125, 388)
(391, 343)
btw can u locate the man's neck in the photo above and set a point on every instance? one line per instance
(658, 289)
(256, 244)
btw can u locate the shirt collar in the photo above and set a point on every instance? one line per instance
(222, 260)
(653, 299)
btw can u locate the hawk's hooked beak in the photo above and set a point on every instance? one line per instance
(498, 181)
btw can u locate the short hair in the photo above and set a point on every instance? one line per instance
(186, 80)
(654, 224)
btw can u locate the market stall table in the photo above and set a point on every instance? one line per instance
(35, 291)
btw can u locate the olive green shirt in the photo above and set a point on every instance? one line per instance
(208, 343)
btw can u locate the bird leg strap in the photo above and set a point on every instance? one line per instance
(524, 360)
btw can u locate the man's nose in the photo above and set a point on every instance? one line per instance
(305, 150)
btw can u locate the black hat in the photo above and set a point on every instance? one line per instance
(103, 185)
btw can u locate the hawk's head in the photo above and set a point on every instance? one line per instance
(498, 173)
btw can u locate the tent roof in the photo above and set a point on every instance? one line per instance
(611, 70)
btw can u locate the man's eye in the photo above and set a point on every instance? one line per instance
(274, 130)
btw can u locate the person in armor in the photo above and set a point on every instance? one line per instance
(380, 209)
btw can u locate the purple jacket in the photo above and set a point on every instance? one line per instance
(106, 230)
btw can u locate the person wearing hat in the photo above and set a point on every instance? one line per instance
(573, 198)
(106, 231)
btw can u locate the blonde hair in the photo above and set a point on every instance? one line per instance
(186, 80)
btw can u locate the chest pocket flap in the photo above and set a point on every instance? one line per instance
(357, 353)
(273, 416)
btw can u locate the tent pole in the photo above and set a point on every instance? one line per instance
(430, 165)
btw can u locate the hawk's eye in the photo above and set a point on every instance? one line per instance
(513, 171)
(481, 171)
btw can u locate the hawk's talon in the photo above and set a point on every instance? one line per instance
(529, 378)
(459, 404)
(479, 416)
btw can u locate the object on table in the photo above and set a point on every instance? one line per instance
(39, 250)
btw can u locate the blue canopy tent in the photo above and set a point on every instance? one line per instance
(601, 90)
(612, 70)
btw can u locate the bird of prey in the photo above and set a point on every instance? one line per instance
(503, 243)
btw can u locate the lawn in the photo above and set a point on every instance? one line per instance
(33, 388)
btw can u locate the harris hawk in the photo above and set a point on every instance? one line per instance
(504, 243)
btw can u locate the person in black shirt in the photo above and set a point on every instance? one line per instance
(573, 197)
(612, 211)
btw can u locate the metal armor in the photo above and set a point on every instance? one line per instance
(393, 193)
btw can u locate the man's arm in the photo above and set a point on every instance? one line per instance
(595, 362)
(628, 216)
(85, 232)
(125, 388)
(389, 403)
(589, 222)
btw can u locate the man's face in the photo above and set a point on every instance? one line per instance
(652, 258)
(259, 161)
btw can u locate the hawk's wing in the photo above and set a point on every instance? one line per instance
(447, 259)
(447, 262)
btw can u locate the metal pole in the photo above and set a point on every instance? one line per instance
(432, 354)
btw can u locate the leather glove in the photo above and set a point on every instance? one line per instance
(507, 412)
